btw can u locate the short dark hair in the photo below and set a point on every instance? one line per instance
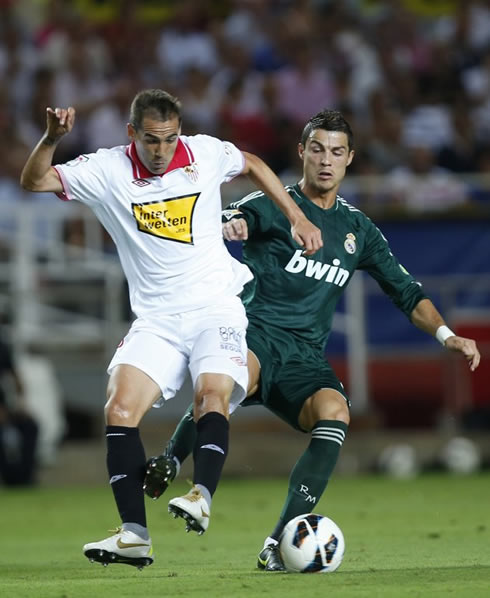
(155, 102)
(329, 120)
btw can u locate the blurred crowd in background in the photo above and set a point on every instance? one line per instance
(412, 77)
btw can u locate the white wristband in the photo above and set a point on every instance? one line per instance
(443, 333)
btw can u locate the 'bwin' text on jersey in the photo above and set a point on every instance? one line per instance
(314, 269)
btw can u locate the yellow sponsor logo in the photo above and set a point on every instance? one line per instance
(169, 219)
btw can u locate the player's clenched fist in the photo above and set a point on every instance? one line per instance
(235, 230)
(306, 234)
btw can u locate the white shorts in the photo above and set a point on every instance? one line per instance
(208, 340)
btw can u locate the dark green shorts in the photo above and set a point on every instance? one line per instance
(290, 371)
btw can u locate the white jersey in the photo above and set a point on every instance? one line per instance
(167, 228)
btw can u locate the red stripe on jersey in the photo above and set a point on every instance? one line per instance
(183, 157)
(64, 194)
(131, 153)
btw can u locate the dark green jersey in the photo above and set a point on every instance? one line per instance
(299, 293)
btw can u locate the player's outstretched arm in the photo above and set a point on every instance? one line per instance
(37, 174)
(426, 317)
(305, 233)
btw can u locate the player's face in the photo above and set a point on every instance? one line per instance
(325, 158)
(156, 142)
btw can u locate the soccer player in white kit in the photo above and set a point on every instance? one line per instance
(159, 198)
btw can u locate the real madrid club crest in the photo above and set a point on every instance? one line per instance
(350, 243)
(192, 172)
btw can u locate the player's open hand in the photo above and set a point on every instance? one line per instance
(307, 235)
(235, 230)
(467, 347)
(60, 121)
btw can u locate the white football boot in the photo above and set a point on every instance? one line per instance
(193, 508)
(123, 547)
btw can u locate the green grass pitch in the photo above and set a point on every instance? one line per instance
(424, 537)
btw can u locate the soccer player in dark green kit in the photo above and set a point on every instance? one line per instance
(290, 307)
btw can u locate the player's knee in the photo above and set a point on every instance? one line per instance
(118, 411)
(208, 400)
(336, 410)
(341, 414)
(318, 409)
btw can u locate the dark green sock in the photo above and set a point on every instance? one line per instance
(310, 475)
(183, 439)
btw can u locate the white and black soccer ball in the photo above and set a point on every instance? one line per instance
(461, 455)
(399, 461)
(312, 543)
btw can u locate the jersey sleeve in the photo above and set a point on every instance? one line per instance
(378, 260)
(84, 178)
(256, 208)
(231, 160)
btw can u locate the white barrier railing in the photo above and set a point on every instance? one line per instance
(63, 286)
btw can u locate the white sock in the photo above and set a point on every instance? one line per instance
(205, 494)
(270, 542)
(137, 529)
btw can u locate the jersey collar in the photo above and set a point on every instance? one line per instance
(183, 157)
(303, 198)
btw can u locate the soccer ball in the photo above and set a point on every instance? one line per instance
(312, 543)
(461, 455)
(399, 461)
